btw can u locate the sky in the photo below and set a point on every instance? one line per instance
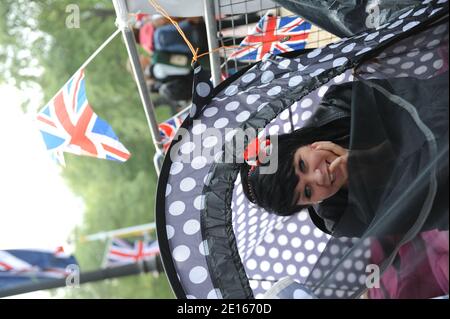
(37, 209)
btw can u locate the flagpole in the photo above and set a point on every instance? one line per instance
(122, 232)
(130, 43)
(152, 264)
(211, 33)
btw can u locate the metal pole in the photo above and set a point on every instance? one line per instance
(211, 31)
(128, 231)
(130, 43)
(152, 264)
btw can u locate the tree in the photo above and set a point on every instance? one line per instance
(38, 49)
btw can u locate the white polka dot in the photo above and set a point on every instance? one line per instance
(260, 251)
(295, 119)
(339, 62)
(266, 285)
(267, 77)
(278, 268)
(314, 53)
(291, 270)
(420, 70)
(321, 246)
(198, 274)
(419, 12)
(264, 266)
(386, 37)
(304, 271)
(176, 168)
(438, 64)
(440, 29)
(254, 284)
(203, 89)
(252, 98)
(299, 257)
(317, 72)
(191, 297)
(232, 106)
(351, 278)
(311, 259)
(193, 110)
(433, 44)
(426, 57)
(395, 24)
(334, 249)
(242, 226)
(251, 264)
(305, 230)
(327, 58)
(295, 80)
(324, 261)
(322, 91)
(170, 231)
(221, 123)
(273, 253)
(284, 64)
(274, 91)
(199, 202)
(168, 189)
(302, 216)
(282, 240)
(210, 141)
(187, 184)
(393, 61)
(340, 276)
(247, 78)
(181, 253)
(287, 127)
(211, 111)
(399, 49)
(309, 244)
(291, 227)
(367, 49)
(372, 36)
(305, 103)
(407, 65)
(306, 115)
(286, 255)
(199, 162)
(191, 227)
(274, 129)
(177, 208)
(410, 25)
(406, 14)
(231, 90)
(296, 242)
(338, 79)
(198, 129)
(284, 115)
(187, 148)
(241, 117)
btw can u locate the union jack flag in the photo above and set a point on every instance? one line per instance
(20, 265)
(168, 128)
(273, 35)
(124, 252)
(68, 124)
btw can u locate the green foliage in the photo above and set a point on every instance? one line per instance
(34, 33)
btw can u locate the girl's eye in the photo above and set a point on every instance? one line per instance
(308, 192)
(302, 166)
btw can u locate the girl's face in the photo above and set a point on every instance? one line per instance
(316, 182)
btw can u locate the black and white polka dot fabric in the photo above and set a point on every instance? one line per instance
(214, 242)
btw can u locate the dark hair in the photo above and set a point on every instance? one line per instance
(274, 192)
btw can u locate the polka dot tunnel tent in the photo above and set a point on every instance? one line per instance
(215, 243)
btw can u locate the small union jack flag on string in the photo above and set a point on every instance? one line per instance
(123, 252)
(68, 124)
(168, 128)
(274, 35)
